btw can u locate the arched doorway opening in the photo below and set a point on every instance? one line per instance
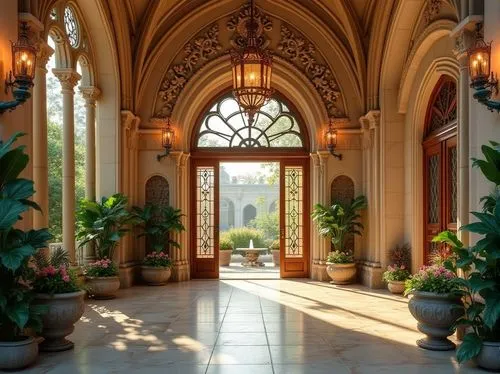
(440, 165)
(279, 137)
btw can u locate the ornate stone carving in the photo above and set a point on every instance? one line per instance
(432, 10)
(238, 24)
(197, 52)
(69, 78)
(44, 54)
(295, 48)
(90, 94)
(157, 191)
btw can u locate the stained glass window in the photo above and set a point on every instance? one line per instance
(205, 217)
(226, 126)
(433, 216)
(294, 225)
(444, 107)
(71, 26)
(452, 164)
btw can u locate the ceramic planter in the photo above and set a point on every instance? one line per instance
(103, 288)
(276, 257)
(341, 273)
(225, 257)
(63, 311)
(18, 355)
(489, 357)
(436, 314)
(156, 275)
(396, 287)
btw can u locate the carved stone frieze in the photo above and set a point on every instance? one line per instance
(238, 24)
(294, 48)
(432, 10)
(198, 52)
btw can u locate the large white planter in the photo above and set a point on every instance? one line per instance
(341, 273)
(103, 288)
(489, 357)
(396, 287)
(156, 275)
(18, 355)
(225, 257)
(436, 314)
(63, 311)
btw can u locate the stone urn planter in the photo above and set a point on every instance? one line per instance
(156, 275)
(489, 357)
(63, 310)
(396, 287)
(276, 256)
(436, 314)
(18, 355)
(103, 288)
(225, 257)
(341, 273)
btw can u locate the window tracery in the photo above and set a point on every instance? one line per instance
(71, 27)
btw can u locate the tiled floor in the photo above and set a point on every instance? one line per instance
(240, 327)
(237, 271)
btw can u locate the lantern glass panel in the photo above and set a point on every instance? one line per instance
(479, 64)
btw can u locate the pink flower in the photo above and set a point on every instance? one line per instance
(105, 265)
(50, 270)
(66, 278)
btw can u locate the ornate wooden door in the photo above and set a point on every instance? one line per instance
(205, 219)
(440, 166)
(294, 218)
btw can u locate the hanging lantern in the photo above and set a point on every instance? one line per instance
(331, 140)
(479, 62)
(23, 58)
(252, 70)
(167, 139)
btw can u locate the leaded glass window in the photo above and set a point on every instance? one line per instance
(226, 126)
(453, 180)
(294, 206)
(433, 189)
(71, 26)
(205, 212)
(444, 106)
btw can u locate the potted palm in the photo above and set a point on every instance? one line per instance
(157, 225)
(480, 269)
(57, 289)
(226, 250)
(337, 222)
(436, 305)
(102, 224)
(275, 250)
(17, 310)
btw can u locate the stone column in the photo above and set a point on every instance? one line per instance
(180, 256)
(40, 140)
(69, 79)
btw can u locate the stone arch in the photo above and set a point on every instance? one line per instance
(249, 213)
(157, 191)
(63, 55)
(226, 214)
(87, 73)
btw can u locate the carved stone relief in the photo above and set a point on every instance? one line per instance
(218, 40)
(432, 10)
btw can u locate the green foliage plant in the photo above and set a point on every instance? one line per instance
(240, 237)
(434, 278)
(479, 265)
(275, 245)
(157, 259)
(53, 275)
(101, 268)
(338, 221)
(103, 224)
(17, 311)
(157, 223)
(339, 257)
(225, 244)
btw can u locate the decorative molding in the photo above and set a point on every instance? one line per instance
(238, 25)
(301, 53)
(68, 78)
(44, 53)
(432, 10)
(90, 94)
(199, 51)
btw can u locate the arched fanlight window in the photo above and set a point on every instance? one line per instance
(71, 27)
(225, 125)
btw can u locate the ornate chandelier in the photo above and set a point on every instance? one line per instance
(252, 70)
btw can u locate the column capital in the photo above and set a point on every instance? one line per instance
(43, 55)
(68, 77)
(370, 120)
(90, 94)
(129, 119)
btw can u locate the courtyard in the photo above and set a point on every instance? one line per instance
(249, 327)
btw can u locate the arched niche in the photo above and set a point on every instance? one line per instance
(157, 191)
(249, 213)
(342, 191)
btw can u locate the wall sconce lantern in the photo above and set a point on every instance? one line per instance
(331, 140)
(167, 139)
(20, 80)
(482, 78)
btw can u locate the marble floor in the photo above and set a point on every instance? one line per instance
(252, 326)
(236, 270)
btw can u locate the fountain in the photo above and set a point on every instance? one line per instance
(252, 255)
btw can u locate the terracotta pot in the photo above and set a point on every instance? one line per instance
(103, 288)
(341, 273)
(396, 287)
(63, 311)
(225, 257)
(155, 275)
(276, 256)
(18, 355)
(436, 314)
(489, 357)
